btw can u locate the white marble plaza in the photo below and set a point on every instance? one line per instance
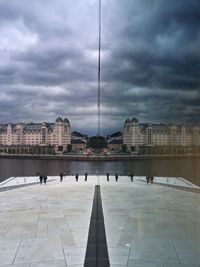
(178, 181)
(146, 225)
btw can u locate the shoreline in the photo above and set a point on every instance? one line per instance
(83, 157)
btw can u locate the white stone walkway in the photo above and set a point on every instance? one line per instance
(150, 226)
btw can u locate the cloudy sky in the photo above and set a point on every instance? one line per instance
(150, 62)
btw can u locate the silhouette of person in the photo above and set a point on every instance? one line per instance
(61, 177)
(147, 178)
(107, 175)
(45, 179)
(86, 175)
(116, 177)
(151, 179)
(131, 175)
(76, 177)
(41, 178)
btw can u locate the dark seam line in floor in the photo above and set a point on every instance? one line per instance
(97, 251)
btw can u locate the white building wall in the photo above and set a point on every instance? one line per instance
(127, 135)
(18, 135)
(134, 134)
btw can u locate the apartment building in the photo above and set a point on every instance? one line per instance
(115, 141)
(31, 134)
(136, 134)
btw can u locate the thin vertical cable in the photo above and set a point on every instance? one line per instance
(99, 71)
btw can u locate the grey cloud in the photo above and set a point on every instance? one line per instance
(138, 43)
(150, 61)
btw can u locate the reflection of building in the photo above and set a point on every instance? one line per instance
(144, 134)
(36, 134)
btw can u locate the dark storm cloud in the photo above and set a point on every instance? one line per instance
(160, 50)
(150, 61)
(156, 47)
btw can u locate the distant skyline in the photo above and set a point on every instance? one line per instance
(150, 62)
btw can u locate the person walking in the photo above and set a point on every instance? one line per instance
(131, 176)
(41, 178)
(116, 177)
(76, 177)
(107, 175)
(151, 179)
(86, 175)
(61, 177)
(147, 178)
(45, 179)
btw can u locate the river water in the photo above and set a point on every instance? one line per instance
(188, 168)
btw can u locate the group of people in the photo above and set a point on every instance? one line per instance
(108, 177)
(86, 176)
(149, 178)
(76, 176)
(131, 175)
(117, 176)
(43, 179)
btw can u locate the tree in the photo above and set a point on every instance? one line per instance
(124, 148)
(132, 148)
(97, 142)
(60, 148)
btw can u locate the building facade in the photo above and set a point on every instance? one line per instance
(137, 134)
(79, 141)
(115, 141)
(78, 145)
(115, 145)
(36, 134)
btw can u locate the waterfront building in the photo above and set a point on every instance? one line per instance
(36, 134)
(78, 145)
(115, 145)
(79, 136)
(114, 136)
(115, 141)
(78, 141)
(136, 134)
